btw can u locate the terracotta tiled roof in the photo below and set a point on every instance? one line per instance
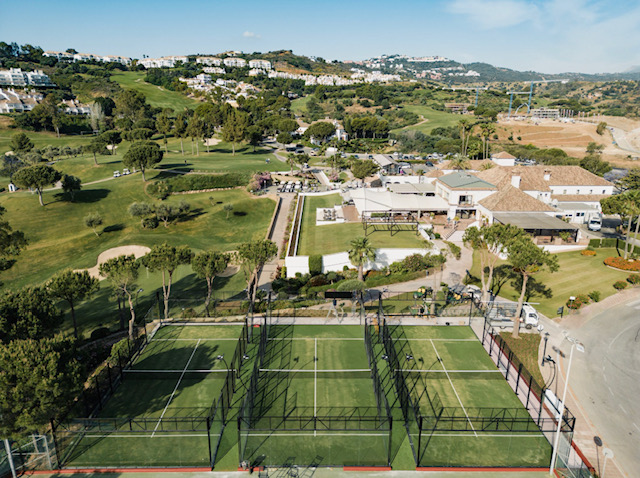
(503, 155)
(579, 197)
(532, 177)
(512, 199)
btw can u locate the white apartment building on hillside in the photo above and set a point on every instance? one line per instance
(163, 62)
(17, 77)
(233, 62)
(260, 64)
(209, 61)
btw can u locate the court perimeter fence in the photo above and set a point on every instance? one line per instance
(325, 435)
(432, 427)
(571, 462)
(180, 437)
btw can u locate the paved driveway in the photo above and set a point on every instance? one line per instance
(605, 380)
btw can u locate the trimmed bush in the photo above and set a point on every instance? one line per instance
(588, 252)
(315, 264)
(317, 280)
(594, 295)
(350, 285)
(623, 264)
(455, 249)
(619, 285)
(609, 242)
(594, 243)
(634, 279)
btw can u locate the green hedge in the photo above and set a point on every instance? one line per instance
(315, 264)
(196, 182)
(605, 242)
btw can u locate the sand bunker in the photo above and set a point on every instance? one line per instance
(137, 251)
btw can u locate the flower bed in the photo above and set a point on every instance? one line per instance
(623, 264)
(587, 252)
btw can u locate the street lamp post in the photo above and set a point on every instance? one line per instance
(574, 344)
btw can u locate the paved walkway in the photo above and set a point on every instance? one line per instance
(278, 236)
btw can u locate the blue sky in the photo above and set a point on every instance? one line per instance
(549, 36)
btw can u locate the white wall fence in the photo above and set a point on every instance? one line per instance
(336, 262)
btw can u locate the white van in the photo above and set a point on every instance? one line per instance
(529, 317)
(595, 223)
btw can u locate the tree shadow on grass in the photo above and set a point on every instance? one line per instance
(89, 195)
(113, 228)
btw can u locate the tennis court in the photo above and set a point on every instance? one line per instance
(162, 411)
(314, 401)
(466, 414)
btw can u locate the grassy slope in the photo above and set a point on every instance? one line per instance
(578, 274)
(58, 237)
(156, 95)
(337, 238)
(299, 105)
(436, 119)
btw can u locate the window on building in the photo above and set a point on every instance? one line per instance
(590, 191)
(604, 191)
(578, 191)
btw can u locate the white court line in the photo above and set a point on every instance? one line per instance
(159, 435)
(296, 370)
(442, 340)
(315, 381)
(137, 370)
(452, 371)
(454, 388)
(277, 434)
(175, 389)
(316, 338)
(191, 340)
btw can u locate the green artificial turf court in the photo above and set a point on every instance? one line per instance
(454, 378)
(160, 414)
(315, 401)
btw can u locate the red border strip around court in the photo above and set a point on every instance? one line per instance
(480, 469)
(69, 471)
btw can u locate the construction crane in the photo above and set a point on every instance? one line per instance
(471, 88)
(530, 93)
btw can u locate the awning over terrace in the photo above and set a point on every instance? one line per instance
(368, 201)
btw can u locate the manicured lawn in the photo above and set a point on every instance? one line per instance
(436, 119)
(578, 274)
(58, 237)
(220, 158)
(156, 95)
(337, 238)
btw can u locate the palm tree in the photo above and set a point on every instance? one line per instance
(463, 124)
(459, 162)
(361, 251)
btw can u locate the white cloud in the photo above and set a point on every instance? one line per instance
(249, 34)
(489, 14)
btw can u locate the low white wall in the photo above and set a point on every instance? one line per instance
(554, 249)
(336, 262)
(405, 179)
(296, 264)
(321, 193)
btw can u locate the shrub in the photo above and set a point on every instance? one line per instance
(317, 280)
(150, 222)
(588, 252)
(619, 285)
(609, 242)
(195, 182)
(594, 295)
(315, 264)
(633, 279)
(100, 333)
(349, 285)
(622, 264)
(579, 301)
(436, 235)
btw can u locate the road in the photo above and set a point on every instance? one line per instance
(605, 379)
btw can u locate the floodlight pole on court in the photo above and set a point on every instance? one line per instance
(580, 347)
(7, 447)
